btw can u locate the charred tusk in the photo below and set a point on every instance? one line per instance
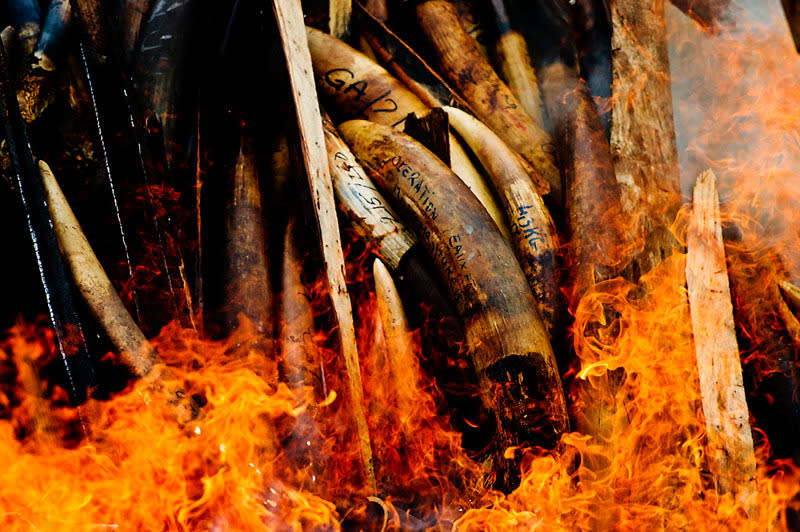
(507, 340)
(103, 300)
(491, 99)
(599, 245)
(361, 88)
(533, 232)
(397, 333)
(248, 282)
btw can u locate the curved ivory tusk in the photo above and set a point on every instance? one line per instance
(471, 74)
(516, 69)
(103, 300)
(505, 336)
(361, 88)
(248, 287)
(362, 202)
(533, 232)
(397, 333)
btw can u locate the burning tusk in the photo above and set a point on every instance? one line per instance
(248, 289)
(599, 245)
(399, 345)
(532, 229)
(102, 298)
(491, 99)
(507, 340)
(361, 88)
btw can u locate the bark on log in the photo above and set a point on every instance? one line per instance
(731, 456)
(360, 88)
(433, 131)
(643, 146)
(491, 99)
(298, 59)
(506, 339)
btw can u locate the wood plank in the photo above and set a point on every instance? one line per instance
(289, 16)
(730, 441)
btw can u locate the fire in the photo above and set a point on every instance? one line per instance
(264, 455)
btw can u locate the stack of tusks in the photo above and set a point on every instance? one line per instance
(507, 325)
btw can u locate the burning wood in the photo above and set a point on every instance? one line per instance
(298, 59)
(642, 130)
(731, 455)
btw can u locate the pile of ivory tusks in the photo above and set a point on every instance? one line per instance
(503, 282)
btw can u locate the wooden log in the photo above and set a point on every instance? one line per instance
(730, 442)
(433, 131)
(399, 343)
(506, 339)
(791, 293)
(298, 59)
(360, 88)
(532, 229)
(105, 304)
(643, 146)
(248, 288)
(491, 99)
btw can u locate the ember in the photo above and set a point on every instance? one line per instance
(507, 265)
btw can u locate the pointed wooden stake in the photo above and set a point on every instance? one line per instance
(730, 442)
(298, 58)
